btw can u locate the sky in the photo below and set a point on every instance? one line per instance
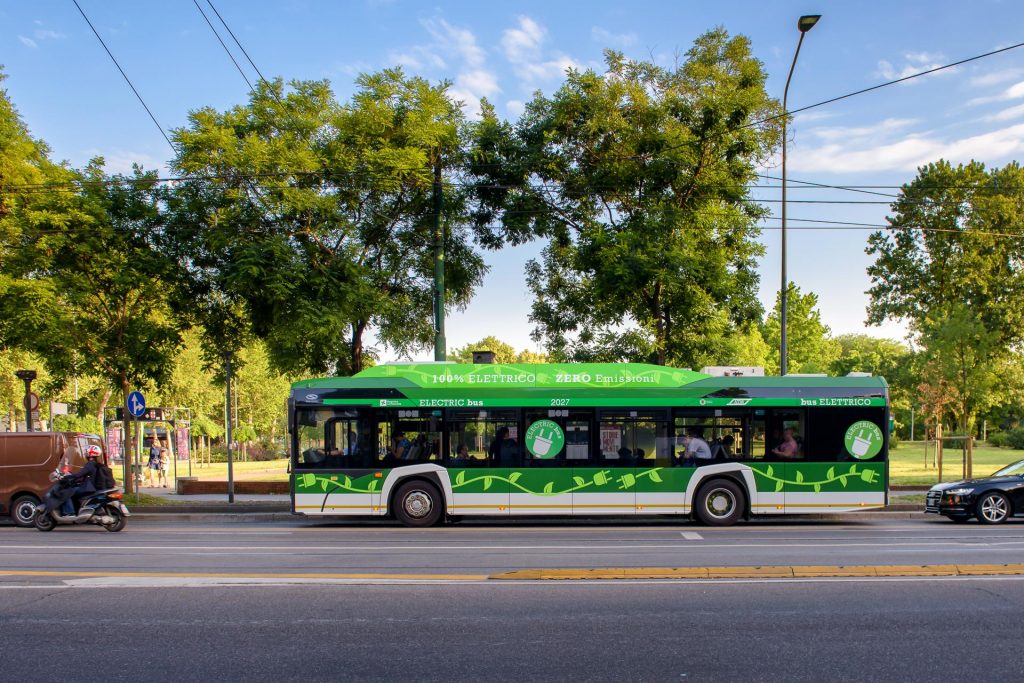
(71, 95)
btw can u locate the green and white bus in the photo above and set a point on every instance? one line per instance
(433, 441)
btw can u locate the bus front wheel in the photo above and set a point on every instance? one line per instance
(418, 503)
(720, 502)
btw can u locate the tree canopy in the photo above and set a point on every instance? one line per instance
(639, 180)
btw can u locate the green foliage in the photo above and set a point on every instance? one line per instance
(503, 353)
(330, 230)
(1011, 438)
(639, 180)
(947, 267)
(204, 426)
(89, 424)
(810, 349)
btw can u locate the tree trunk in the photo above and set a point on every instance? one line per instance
(659, 322)
(103, 403)
(357, 345)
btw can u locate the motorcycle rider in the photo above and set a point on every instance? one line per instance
(83, 482)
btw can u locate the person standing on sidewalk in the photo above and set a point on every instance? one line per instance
(165, 461)
(153, 466)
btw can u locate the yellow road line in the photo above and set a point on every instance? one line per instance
(763, 572)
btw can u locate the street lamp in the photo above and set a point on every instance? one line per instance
(804, 24)
(27, 376)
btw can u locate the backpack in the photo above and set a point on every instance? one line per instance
(104, 477)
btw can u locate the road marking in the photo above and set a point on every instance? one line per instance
(692, 536)
(763, 572)
(243, 575)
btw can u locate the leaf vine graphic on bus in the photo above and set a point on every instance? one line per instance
(868, 476)
(337, 484)
(626, 481)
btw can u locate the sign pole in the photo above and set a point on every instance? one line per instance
(227, 424)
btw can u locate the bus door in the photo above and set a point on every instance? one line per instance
(787, 453)
(482, 458)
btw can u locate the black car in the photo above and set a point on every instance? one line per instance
(992, 500)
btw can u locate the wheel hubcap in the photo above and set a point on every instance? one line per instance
(418, 504)
(721, 502)
(994, 509)
(25, 512)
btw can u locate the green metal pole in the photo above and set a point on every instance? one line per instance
(440, 350)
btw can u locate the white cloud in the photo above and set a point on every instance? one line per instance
(862, 154)
(607, 38)
(522, 44)
(915, 63)
(850, 133)
(1006, 114)
(995, 77)
(460, 40)
(1014, 92)
(523, 47)
(27, 41)
(120, 161)
(515, 108)
(356, 68)
(45, 34)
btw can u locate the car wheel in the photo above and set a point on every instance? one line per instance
(418, 503)
(993, 508)
(720, 502)
(23, 509)
(960, 519)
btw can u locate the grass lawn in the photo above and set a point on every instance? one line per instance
(907, 463)
(269, 470)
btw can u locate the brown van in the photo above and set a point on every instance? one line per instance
(26, 461)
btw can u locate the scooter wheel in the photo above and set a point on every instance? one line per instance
(44, 521)
(119, 519)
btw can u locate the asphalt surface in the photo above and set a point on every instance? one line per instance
(296, 546)
(834, 630)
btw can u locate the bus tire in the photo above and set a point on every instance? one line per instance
(720, 502)
(418, 503)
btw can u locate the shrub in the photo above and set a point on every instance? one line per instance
(1011, 438)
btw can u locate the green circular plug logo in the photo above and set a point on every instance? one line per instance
(864, 440)
(544, 439)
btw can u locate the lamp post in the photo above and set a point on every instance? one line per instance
(27, 376)
(804, 24)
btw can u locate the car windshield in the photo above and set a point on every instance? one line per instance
(1010, 470)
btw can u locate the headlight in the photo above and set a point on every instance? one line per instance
(959, 492)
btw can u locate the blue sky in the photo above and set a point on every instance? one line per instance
(70, 94)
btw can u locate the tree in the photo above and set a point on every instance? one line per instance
(86, 287)
(503, 353)
(950, 265)
(639, 179)
(809, 346)
(315, 220)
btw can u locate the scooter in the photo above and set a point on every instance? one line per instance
(104, 508)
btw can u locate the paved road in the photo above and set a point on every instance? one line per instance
(289, 547)
(835, 630)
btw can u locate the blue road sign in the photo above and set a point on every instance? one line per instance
(136, 404)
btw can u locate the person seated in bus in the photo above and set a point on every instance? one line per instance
(728, 443)
(638, 456)
(788, 449)
(509, 453)
(402, 446)
(697, 448)
(461, 456)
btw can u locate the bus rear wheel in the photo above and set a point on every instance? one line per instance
(720, 502)
(418, 503)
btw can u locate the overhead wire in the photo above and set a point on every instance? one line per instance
(128, 80)
(221, 41)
